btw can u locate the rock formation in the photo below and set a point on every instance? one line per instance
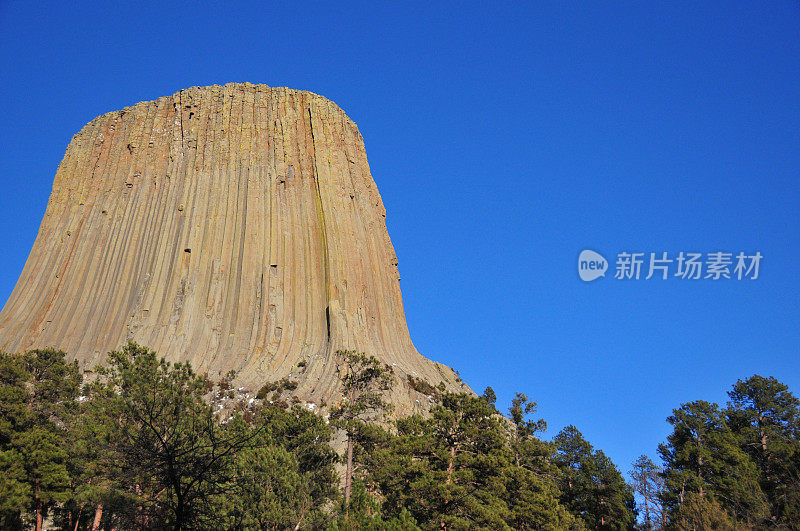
(237, 227)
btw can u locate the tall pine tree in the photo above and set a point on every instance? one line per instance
(648, 483)
(765, 416)
(592, 486)
(702, 457)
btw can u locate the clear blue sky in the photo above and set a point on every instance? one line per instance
(504, 140)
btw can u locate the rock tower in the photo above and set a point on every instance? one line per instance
(237, 227)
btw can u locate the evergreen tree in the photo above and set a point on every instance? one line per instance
(613, 502)
(573, 452)
(649, 485)
(456, 470)
(592, 486)
(41, 390)
(174, 456)
(93, 484)
(534, 456)
(15, 492)
(489, 396)
(285, 477)
(467, 444)
(307, 437)
(702, 456)
(699, 513)
(765, 416)
(364, 513)
(363, 380)
(524, 440)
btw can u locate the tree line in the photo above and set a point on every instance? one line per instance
(732, 467)
(145, 444)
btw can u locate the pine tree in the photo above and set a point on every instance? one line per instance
(285, 477)
(613, 502)
(456, 470)
(702, 513)
(170, 449)
(702, 456)
(524, 441)
(592, 486)
(15, 492)
(451, 465)
(308, 438)
(573, 452)
(489, 396)
(363, 380)
(365, 513)
(40, 388)
(648, 483)
(765, 416)
(97, 480)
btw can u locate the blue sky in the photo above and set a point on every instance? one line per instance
(504, 140)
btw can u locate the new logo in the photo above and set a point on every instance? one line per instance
(591, 265)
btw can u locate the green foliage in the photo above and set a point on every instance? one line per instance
(455, 470)
(284, 384)
(364, 512)
(15, 492)
(167, 446)
(738, 467)
(701, 513)
(422, 386)
(307, 438)
(489, 396)
(168, 461)
(140, 447)
(521, 408)
(39, 391)
(364, 379)
(702, 456)
(285, 476)
(529, 451)
(273, 491)
(765, 416)
(592, 486)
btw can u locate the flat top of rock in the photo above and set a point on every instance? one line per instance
(243, 86)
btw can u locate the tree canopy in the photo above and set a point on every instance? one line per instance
(142, 443)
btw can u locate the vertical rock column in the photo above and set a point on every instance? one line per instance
(237, 227)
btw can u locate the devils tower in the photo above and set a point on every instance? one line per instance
(236, 227)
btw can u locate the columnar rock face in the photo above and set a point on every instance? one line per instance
(237, 227)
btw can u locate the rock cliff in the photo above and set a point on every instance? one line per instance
(237, 227)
